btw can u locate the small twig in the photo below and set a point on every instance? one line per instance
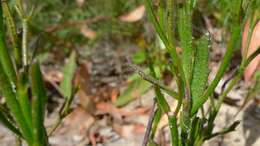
(154, 81)
(149, 125)
(54, 127)
(56, 27)
(229, 79)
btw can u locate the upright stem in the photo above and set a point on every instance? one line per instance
(24, 41)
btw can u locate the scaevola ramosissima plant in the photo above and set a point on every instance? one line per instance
(190, 69)
(21, 81)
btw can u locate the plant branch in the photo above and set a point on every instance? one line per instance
(154, 81)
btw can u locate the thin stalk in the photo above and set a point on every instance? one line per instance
(24, 41)
(55, 126)
(171, 21)
(174, 130)
(149, 125)
(227, 90)
(154, 81)
(157, 118)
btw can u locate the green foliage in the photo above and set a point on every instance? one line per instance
(68, 72)
(8, 123)
(200, 69)
(185, 33)
(5, 56)
(38, 105)
(66, 18)
(23, 113)
(191, 69)
(135, 89)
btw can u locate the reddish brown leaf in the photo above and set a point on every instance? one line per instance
(119, 112)
(79, 119)
(253, 46)
(54, 76)
(80, 3)
(88, 33)
(133, 16)
(129, 131)
(82, 78)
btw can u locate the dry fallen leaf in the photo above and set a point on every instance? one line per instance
(253, 46)
(54, 76)
(79, 120)
(130, 131)
(114, 95)
(120, 112)
(133, 16)
(84, 95)
(88, 33)
(80, 3)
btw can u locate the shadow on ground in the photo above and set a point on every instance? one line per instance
(251, 126)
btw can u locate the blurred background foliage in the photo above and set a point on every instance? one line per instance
(59, 23)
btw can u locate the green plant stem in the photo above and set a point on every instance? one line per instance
(24, 41)
(154, 81)
(171, 23)
(6, 122)
(39, 99)
(174, 130)
(55, 126)
(227, 90)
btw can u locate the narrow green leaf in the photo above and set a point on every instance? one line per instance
(169, 46)
(6, 62)
(177, 65)
(201, 69)
(135, 89)
(224, 64)
(38, 104)
(252, 57)
(155, 22)
(157, 119)
(7, 123)
(13, 105)
(13, 32)
(194, 130)
(185, 121)
(171, 9)
(229, 129)
(23, 97)
(161, 101)
(68, 72)
(162, 14)
(139, 57)
(185, 33)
